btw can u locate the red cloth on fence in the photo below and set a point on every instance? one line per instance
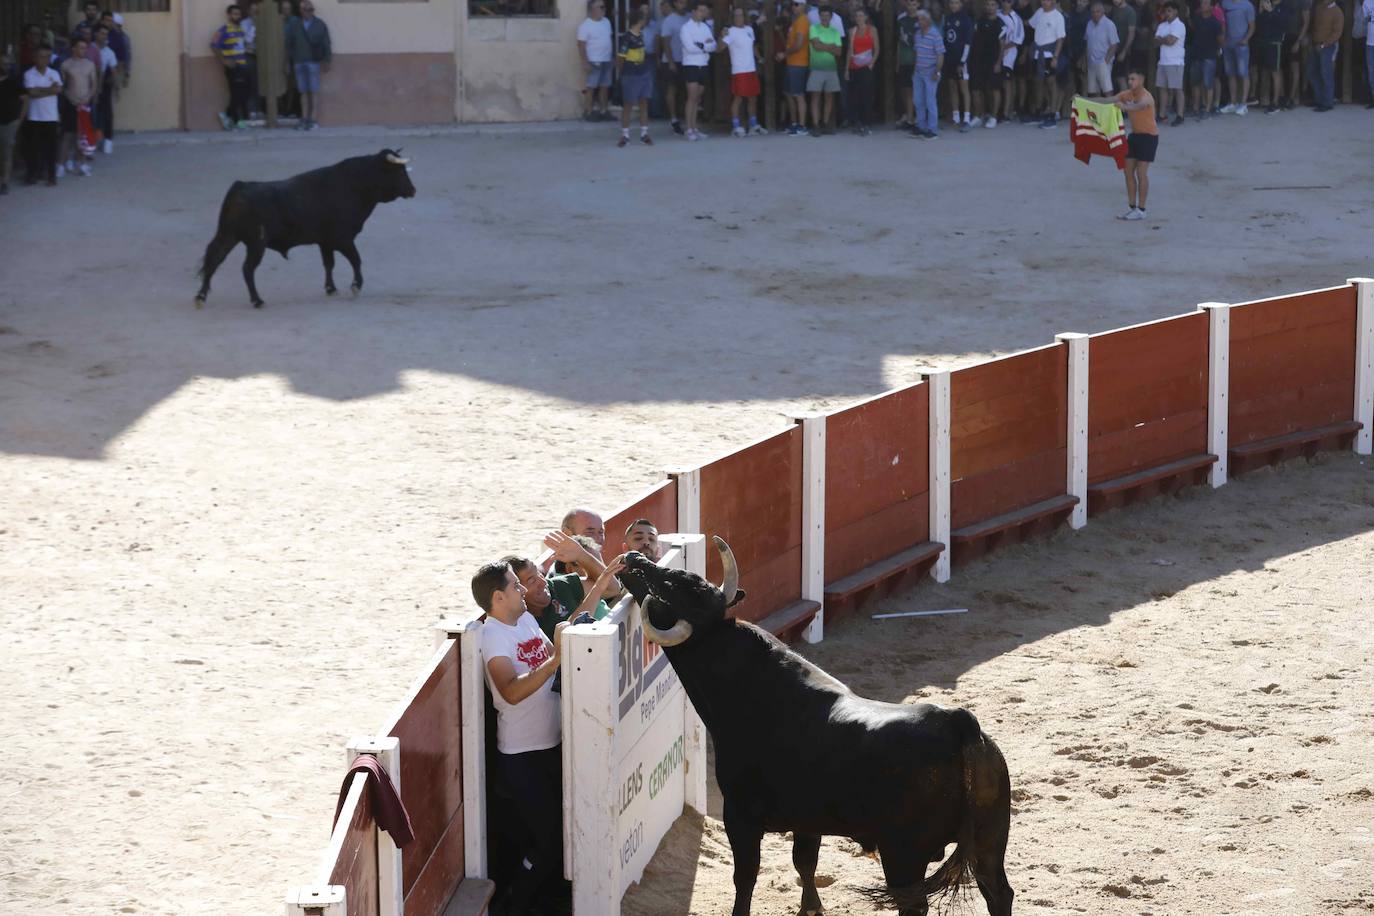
(390, 813)
(1088, 141)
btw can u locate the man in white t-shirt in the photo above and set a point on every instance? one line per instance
(1050, 32)
(520, 662)
(595, 45)
(698, 44)
(42, 85)
(744, 77)
(1170, 35)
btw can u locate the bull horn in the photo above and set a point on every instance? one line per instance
(675, 635)
(730, 581)
(395, 159)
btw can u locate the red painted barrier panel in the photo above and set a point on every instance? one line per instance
(1147, 396)
(1008, 434)
(658, 505)
(432, 787)
(877, 461)
(356, 866)
(1292, 364)
(753, 499)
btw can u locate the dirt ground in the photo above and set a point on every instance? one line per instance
(224, 533)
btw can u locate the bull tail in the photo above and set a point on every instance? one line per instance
(957, 871)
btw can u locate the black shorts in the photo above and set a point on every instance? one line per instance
(1142, 147)
(1267, 55)
(954, 68)
(905, 73)
(694, 75)
(980, 76)
(1291, 54)
(66, 113)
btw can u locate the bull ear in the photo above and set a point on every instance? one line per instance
(739, 596)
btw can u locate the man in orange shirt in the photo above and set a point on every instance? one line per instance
(1142, 143)
(798, 59)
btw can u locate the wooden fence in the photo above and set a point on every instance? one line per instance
(834, 509)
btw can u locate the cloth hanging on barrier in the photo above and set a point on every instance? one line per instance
(391, 814)
(1097, 128)
(87, 137)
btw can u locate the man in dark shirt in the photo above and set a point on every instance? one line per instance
(958, 35)
(1202, 46)
(985, 65)
(12, 99)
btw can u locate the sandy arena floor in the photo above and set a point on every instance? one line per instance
(225, 532)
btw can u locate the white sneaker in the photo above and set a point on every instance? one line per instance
(991, 122)
(738, 132)
(693, 136)
(71, 166)
(758, 130)
(108, 147)
(1135, 215)
(1127, 214)
(1228, 109)
(85, 170)
(976, 122)
(61, 171)
(1242, 109)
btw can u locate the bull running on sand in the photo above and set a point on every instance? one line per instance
(325, 207)
(797, 751)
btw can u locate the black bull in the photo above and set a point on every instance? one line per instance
(325, 207)
(797, 751)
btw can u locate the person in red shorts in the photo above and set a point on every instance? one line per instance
(1142, 143)
(738, 40)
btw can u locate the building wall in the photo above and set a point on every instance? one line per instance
(524, 69)
(153, 99)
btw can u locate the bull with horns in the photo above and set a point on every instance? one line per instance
(796, 750)
(325, 207)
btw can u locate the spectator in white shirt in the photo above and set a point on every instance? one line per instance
(698, 43)
(1170, 35)
(744, 78)
(595, 46)
(1048, 25)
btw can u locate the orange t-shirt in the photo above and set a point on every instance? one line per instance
(800, 26)
(1142, 119)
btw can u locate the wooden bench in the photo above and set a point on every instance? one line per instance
(1128, 488)
(472, 898)
(844, 596)
(972, 541)
(1307, 442)
(787, 623)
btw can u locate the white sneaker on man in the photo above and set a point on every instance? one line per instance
(61, 171)
(758, 130)
(85, 170)
(1242, 109)
(1126, 215)
(976, 122)
(738, 132)
(992, 122)
(1227, 109)
(1136, 214)
(108, 147)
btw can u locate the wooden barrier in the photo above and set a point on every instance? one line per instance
(658, 505)
(1147, 410)
(753, 499)
(1008, 449)
(1292, 384)
(426, 724)
(351, 861)
(877, 497)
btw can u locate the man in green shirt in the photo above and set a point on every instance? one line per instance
(823, 82)
(556, 598)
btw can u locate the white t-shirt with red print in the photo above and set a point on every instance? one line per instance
(534, 723)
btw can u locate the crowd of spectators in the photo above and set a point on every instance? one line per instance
(308, 53)
(970, 63)
(57, 96)
(527, 603)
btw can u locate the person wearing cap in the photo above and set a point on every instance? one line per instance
(119, 44)
(798, 58)
(823, 82)
(929, 45)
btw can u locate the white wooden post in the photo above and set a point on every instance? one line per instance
(316, 901)
(592, 857)
(688, 499)
(937, 383)
(813, 521)
(1364, 363)
(473, 713)
(1078, 424)
(390, 890)
(1218, 385)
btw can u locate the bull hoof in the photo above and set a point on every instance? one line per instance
(355, 289)
(257, 303)
(200, 303)
(330, 290)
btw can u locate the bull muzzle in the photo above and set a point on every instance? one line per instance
(681, 631)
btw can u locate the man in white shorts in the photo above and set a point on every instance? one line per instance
(1170, 35)
(1103, 42)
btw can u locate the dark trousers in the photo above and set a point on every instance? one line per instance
(861, 96)
(40, 146)
(535, 780)
(104, 109)
(238, 93)
(1321, 70)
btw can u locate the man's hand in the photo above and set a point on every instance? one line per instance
(558, 629)
(564, 548)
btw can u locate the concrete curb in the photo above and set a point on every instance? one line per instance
(259, 135)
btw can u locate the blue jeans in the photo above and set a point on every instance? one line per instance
(923, 93)
(1321, 70)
